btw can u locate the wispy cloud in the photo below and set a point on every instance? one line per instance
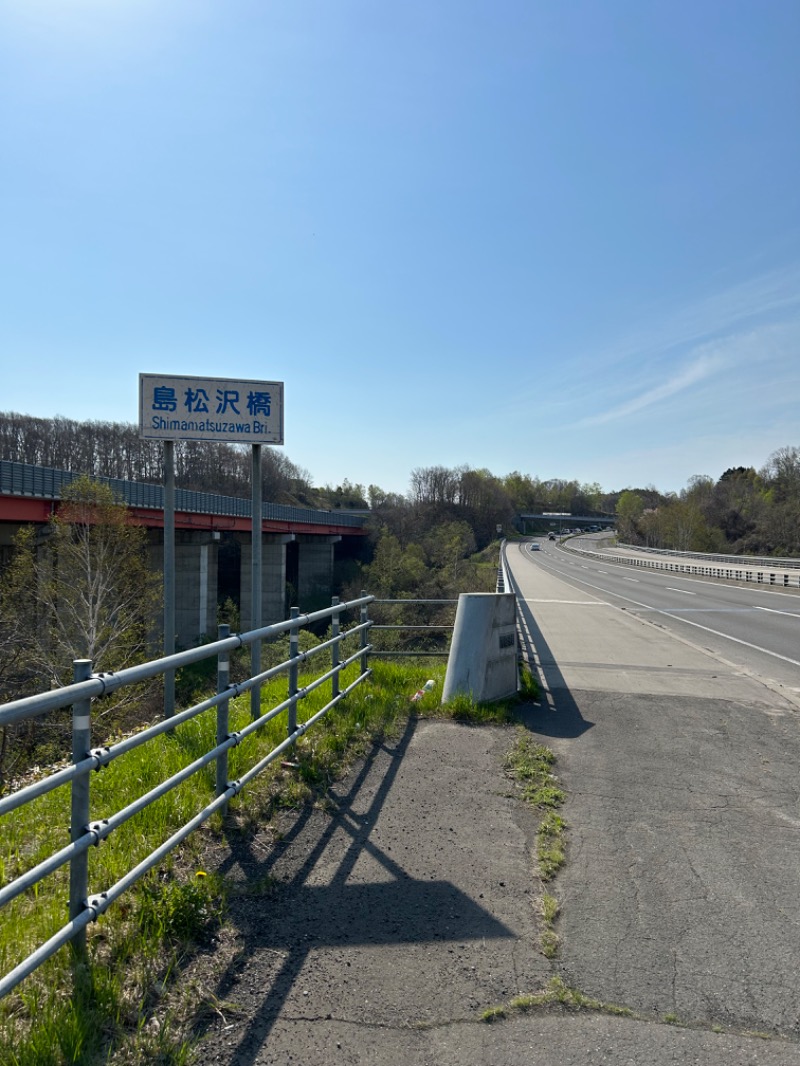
(701, 368)
(770, 296)
(754, 320)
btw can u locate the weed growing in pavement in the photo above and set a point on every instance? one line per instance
(550, 940)
(528, 685)
(550, 943)
(494, 1014)
(558, 993)
(530, 765)
(555, 992)
(550, 908)
(550, 845)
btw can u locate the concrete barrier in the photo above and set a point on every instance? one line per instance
(483, 653)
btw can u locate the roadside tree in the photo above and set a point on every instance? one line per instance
(82, 591)
(630, 508)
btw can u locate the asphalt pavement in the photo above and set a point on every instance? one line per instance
(381, 928)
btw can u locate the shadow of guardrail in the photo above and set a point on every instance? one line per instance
(286, 923)
(559, 714)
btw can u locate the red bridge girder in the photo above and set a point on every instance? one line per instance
(26, 509)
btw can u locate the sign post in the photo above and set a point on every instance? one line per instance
(215, 409)
(255, 581)
(169, 573)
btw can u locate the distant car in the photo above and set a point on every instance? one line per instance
(536, 546)
(552, 536)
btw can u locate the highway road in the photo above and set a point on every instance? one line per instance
(755, 628)
(671, 703)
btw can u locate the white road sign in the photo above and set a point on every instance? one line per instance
(221, 409)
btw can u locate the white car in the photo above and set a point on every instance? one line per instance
(536, 546)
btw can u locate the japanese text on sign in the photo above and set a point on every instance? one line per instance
(183, 408)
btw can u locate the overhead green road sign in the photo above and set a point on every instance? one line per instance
(220, 409)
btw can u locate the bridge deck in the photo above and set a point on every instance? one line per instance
(32, 493)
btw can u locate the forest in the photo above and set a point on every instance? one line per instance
(744, 512)
(115, 450)
(448, 514)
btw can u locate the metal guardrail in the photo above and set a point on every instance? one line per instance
(764, 561)
(385, 653)
(502, 570)
(84, 907)
(42, 482)
(757, 577)
(503, 584)
(524, 642)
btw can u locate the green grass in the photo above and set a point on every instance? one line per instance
(549, 939)
(550, 943)
(528, 685)
(555, 992)
(550, 908)
(530, 765)
(494, 1014)
(551, 845)
(136, 947)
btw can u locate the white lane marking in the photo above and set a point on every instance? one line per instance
(635, 580)
(706, 610)
(582, 603)
(771, 610)
(740, 583)
(603, 572)
(686, 592)
(744, 643)
(686, 622)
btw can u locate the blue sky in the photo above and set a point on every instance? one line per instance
(558, 237)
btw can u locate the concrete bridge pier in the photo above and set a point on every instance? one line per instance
(307, 566)
(196, 567)
(273, 578)
(315, 571)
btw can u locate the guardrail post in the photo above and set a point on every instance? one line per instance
(223, 683)
(335, 656)
(79, 812)
(294, 650)
(364, 635)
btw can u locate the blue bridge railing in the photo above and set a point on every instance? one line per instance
(42, 482)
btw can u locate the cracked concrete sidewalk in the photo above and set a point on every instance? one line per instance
(411, 907)
(380, 930)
